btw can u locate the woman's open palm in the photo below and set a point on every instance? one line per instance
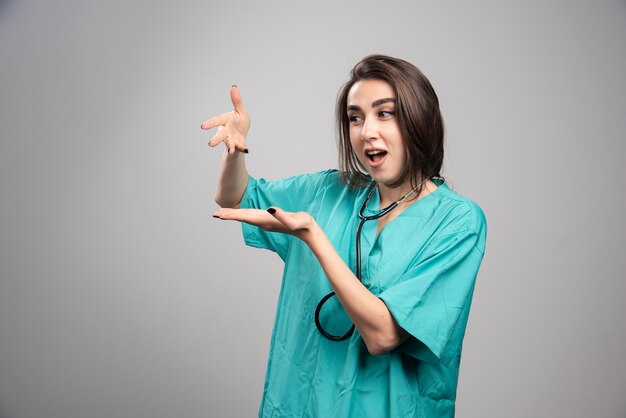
(232, 126)
(274, 219)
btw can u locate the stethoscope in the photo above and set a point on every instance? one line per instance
(364, 219)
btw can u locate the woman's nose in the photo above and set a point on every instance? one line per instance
(370, 129)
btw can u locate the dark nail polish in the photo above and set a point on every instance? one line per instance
(245, 151)
(215, 216)
(235, 86)
(272, 210)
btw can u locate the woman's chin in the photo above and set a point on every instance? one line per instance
(382, 179)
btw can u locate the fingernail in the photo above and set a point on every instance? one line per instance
(201, 126)
(245, 151)
(235, 86)
(272, 210)
(215, 216)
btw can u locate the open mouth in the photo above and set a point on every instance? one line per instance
(376, 157)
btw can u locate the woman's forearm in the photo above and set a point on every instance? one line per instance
(369, 314)
(233, 180)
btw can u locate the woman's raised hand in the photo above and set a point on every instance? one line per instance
(232, 126)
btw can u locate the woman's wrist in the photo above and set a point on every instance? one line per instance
(314, 237)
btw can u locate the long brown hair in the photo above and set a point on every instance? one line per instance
(418, 114)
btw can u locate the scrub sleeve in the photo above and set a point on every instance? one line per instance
(291, 194)
(432, 299)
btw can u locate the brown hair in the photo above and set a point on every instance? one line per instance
(418, 114)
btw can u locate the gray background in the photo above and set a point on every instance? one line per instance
(120, 295)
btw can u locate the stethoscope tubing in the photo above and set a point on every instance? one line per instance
(364, 219)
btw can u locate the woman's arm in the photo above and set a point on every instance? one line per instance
(233, 180)
(232, 131)
(369, 314)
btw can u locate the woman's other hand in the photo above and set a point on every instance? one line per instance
(298, 224)
(232, 126)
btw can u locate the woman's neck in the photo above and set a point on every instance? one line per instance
(389, 195)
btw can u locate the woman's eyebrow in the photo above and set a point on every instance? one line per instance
(375, 103)
(378, 102)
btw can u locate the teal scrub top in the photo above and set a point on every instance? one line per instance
(423, 265)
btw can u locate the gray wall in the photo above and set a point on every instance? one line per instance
(120, 295)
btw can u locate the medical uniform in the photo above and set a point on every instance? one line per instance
(423, 265)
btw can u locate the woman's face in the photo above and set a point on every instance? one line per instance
(374, 131)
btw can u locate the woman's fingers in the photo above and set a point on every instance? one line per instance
(225, 135)
(273, 219)
(241, 147)
(256, 217)
(220, 120)
(235, 98)
(233, 126)
(293, 221)
(231, 145)
(220, 136)
(279, 214)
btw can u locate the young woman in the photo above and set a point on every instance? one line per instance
(380, 256)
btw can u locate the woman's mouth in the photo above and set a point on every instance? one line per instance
(375, 157)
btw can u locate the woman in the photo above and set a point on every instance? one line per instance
(406, 286)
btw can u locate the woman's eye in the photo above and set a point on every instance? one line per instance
(354, 118)
(385, 113)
